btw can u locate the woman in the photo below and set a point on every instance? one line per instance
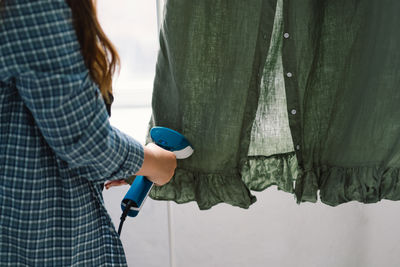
(57, 146)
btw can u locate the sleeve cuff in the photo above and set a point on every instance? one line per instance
(134, 156)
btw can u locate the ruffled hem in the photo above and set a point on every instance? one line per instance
(206, 189)
(338, 185)
(260, 172)
(334, 185)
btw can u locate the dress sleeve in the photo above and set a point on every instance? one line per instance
(40, 51)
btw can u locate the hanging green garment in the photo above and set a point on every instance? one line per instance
(299, 94)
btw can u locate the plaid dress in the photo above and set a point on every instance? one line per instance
(56, 145)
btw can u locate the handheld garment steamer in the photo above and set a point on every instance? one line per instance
(141, 186)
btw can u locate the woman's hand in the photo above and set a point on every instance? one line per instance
(159, 164)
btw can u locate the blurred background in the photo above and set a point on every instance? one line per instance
(274, 231)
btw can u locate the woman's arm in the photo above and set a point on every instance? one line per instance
(40, 51)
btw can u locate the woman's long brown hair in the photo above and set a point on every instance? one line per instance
(98, 52)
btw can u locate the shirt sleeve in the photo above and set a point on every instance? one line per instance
(40, 51)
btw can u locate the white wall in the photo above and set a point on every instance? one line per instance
(275, 231)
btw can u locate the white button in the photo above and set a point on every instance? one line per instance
(286, 35)
(298, 147)
(289, 74)
(293, 111)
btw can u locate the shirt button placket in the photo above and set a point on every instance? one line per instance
(286, 35)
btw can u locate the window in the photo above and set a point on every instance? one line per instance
(132, 28)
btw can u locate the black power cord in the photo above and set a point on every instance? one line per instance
(128, 206)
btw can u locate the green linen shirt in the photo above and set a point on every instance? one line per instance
(299, 94)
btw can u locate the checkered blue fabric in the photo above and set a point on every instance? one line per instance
(56, 145)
